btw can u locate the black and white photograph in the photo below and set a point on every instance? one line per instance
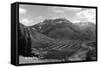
(49, 34)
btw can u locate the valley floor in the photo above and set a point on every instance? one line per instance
(25, 60)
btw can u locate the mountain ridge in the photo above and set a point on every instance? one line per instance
(52, 26)
(53, 40)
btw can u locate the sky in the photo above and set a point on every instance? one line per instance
(33, 14)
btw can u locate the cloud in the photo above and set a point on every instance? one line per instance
(76, 21)
(30, 22)
(72, 8)
(39, 19)
(88, 15)
(22, 10)
(26, 22)
(56, 10)
(63, 9)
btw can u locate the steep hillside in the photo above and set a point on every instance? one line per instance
(88, 28)
(64, 29)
